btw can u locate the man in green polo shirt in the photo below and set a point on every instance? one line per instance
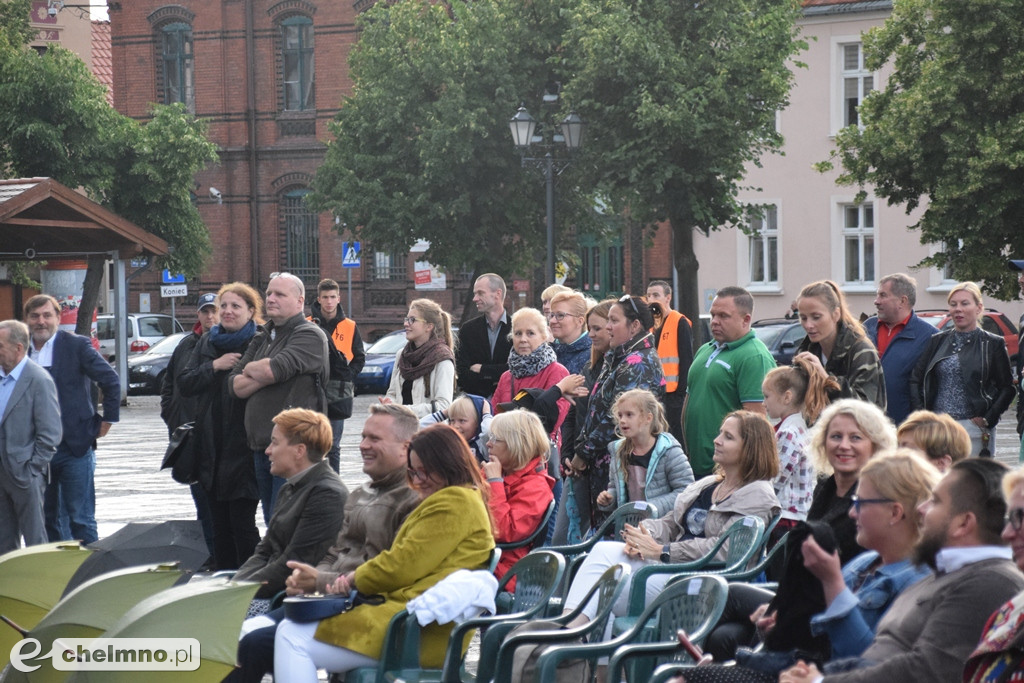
(725, 375)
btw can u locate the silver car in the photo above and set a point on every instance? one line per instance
(144, 330)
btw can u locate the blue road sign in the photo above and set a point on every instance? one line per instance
(168, 279)
(350, 255)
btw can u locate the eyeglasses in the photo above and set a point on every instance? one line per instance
(560, 316)
(416, 474)
(492, 439)
(626, 297)
(410, 319)
(1015, 518)
(857, 501)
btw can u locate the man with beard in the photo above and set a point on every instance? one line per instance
(932, 627)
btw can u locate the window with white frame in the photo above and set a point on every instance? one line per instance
(763, 243)
(948, 278)
(858, 243)
(857, 82)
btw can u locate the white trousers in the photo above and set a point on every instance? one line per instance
(297, 655)
(604, 555)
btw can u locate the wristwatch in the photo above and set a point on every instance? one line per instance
(665, 556)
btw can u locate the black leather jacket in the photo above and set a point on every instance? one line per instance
(985, 367)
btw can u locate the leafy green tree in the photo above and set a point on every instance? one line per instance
(422, 148)
(55, 122)
(679, 97)
(949, 128)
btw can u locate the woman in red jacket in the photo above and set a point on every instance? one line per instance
(521, 489)
(532, 364)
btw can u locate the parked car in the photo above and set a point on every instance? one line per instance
(144, 330)
(375, 377)
(146, 370)
(781, 336)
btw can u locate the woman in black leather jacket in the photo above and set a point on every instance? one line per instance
(965, 371)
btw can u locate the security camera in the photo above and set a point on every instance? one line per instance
(216, 194)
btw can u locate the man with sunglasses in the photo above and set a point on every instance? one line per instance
(674, 336)
(932, 627)
(285, 366)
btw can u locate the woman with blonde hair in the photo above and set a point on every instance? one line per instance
(965, 371)
(532, 364)
(847, 435)
(936, 436)
(567, 321)
(226, 471)
(424, 375)
(521, 489)
(836, 345)
(856, 595)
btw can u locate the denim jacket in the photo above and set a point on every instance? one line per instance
(851, 619)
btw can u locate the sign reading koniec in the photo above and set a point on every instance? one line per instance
(109, 654)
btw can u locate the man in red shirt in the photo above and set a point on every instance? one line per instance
(900, 337)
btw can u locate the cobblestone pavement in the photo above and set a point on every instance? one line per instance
(131, 488)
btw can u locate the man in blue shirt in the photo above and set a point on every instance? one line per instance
(30, 430)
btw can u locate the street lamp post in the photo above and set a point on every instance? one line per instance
(523, 127)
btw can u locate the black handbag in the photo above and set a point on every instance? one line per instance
(180, 455)
(306, 608)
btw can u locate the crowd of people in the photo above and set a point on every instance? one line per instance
(869, 457)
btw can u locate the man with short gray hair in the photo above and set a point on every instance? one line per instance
(30, 430)
(900, 337)
(285, 366)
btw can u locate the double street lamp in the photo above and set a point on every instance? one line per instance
(568, 134)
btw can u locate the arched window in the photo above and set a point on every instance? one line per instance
(297, 63)
(178, 69)
(301, 237)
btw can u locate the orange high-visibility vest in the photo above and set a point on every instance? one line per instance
(342, 336)
(668, 349)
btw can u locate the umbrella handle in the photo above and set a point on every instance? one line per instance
(13, 625)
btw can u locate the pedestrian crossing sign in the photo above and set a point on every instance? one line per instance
(350, 255)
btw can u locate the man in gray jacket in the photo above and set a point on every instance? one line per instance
(285, 366)
(933, 626)
(30, 430)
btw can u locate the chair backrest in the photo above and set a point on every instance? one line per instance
(693, 604)
(537, 535)
(744, 539)
(492, 563)
(538, 575)
(628, 513)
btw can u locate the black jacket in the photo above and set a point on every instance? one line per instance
(985, 368)
(474, 347)
(173, 410)
(224, 459)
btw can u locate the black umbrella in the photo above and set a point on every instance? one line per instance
(141, 543)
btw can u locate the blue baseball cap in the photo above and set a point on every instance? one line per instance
(206, 300)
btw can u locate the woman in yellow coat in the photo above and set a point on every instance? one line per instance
(448, 531)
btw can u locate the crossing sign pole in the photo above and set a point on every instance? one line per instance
(349, 260)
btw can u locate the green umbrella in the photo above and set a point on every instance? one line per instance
(31, 582)
(210, 611)
(92, 608)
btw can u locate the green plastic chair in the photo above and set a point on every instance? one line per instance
(744, 543)
(693, 605)
(538, 576)
(607, 588)
(536, 536)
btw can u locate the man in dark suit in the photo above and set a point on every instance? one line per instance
(74, 364)
(484, 345)
(29, 433)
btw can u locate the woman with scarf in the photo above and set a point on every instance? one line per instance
(631, 363)
(225, 465)
(424, 377)
(532, 364)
